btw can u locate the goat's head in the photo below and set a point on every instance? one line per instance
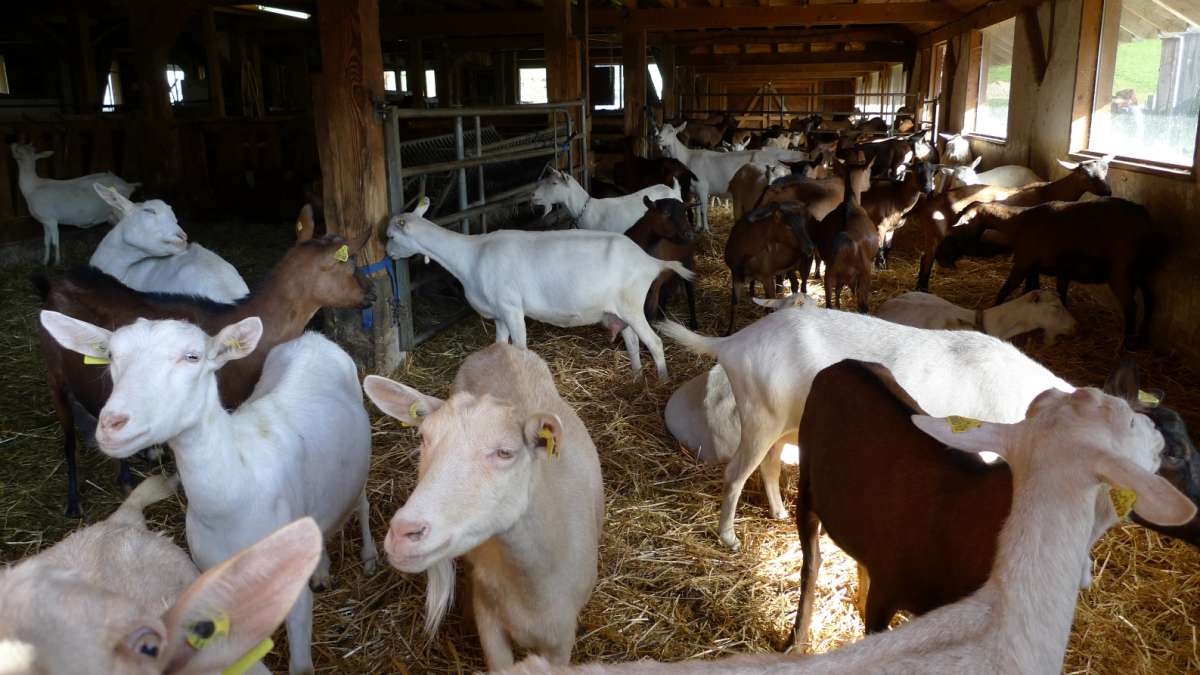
(926, 176)
(1078, 440)
(1093, 172)
(24, 152)
(478, 456)
(668, 219)
(56, 619)
(163, 373)
(553, 189)
(1046, 310)
(401, 230)
(148, 226)
(668, 137)
(325, 272)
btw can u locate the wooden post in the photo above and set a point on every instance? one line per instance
(445, 77)
(89, 97)
(415, 65)
(633, 64)
(564, 82)
(154, 28)
(666, 66)
(216, 91)
(353, 165)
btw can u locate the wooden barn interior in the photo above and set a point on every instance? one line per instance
(238, 114)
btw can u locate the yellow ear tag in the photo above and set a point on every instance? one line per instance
(342, 254)
(961, 425)
(95, 361)
(299, 226)
(1122, 499)
(252, 657)
(1148, 398)
(234, 344)
(220, 628)
(548, 435)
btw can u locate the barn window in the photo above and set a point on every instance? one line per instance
(655, 79)
(389, 81)
(3, 77)
(1147, 95)
(112, 89)
(937, 67)
(994, 68)
(531, 88)
(430, 83)
(175, 79)
(616, 99)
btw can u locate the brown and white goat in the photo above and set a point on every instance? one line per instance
(665, 232)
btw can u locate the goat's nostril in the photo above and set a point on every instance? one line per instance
(114, 421)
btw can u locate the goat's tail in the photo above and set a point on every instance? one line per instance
(678, 268)
(154, 489)
(693, 341)
(439, 593)
(41, 284)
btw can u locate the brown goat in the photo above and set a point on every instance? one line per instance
(765, 242)
(887, 202)
(634, 172)
(308, 278)
(749, 182)
(819, 195)
(936, 214)
(1087, 176)
(665, 233)
(847, 240)
(924, 519)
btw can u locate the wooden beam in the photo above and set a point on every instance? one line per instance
(89, 96)
(353, 165)
(986, 15)
(877, 54)
(1086, 65)
(633, 63)
(564, 79)
(1032, 29)
(415, 65)
(212, 50)
(666, 20)
(884, 34)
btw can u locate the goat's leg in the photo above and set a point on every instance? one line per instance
(516, 328)
(1122, 287)
(924, 273)
(502, 334)
(879, 610)
(769, 471)
(805, 268)
(1033, 279)
(299, 634)
(733, 284)
(689, 287)
(863, 292)
(1147, 307)
(1015, 275)
(321, 576)
(810, 543)
(54, 240)
(1064, 285)
(755, 443)
(634, 348)
(369, 554)
(497, 649)
(47, 241)
(653, 343)
(66, 420)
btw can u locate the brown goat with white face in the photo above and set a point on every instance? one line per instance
(314, 273)
(767, 241)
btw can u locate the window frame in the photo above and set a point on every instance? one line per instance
(4, 86)
(1084, 105)
(974, 77)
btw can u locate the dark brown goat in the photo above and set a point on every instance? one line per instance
(924, 519)
(665, 233)
(887, 202)
(765, 242)
(1108, 240)
(308, 278)
(847, 241)
(634, 172)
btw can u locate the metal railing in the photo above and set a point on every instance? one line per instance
(888, 104)
(560, 142)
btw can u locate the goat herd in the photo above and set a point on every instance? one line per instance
(161, 341)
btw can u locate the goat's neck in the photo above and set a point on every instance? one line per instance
(1004, 322)
(27, 178)
(453, 251)
(1035, 579)
(519, 550)
(577, 198)
(208, 459)
(115, 254)
(1066, 189)
(681, 152)
(285, 307)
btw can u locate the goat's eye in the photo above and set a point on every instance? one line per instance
(145, 641)
(192, 357)
(504, 453)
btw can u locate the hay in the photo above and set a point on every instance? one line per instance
(667, 588)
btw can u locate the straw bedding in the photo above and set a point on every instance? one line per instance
(667, 588)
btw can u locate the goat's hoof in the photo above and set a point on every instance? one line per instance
(731, 541)
(782, 514)
(370, 566)
(73, 510)
(320, 582)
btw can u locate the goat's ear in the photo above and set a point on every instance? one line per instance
(78, 336)
(119, 203)
(946, 137)
(1125, 381)
(681, 127)
(238, 604)
(421, 207)
(305, 226)
(1069, 166)
(1107, 158)
(646, 200)
(235, 341)
(965, 433)
(975, 164)
(543, 432)
(400, 401)
(1157, 500)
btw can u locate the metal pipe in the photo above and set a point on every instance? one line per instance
(477, 161)
(523, 109)
(503, 199)
(482, 187)
(460, 154)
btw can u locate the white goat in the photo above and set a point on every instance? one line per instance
(957, 150)
(62, 202)
(1036, 309)
(614, 214)
(115, 597)
(509, 479)
(148, 251)
(1062, 457)
(300, 446)
(771, 363)
(714, 170)
(511, 274)
(1008, 176)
